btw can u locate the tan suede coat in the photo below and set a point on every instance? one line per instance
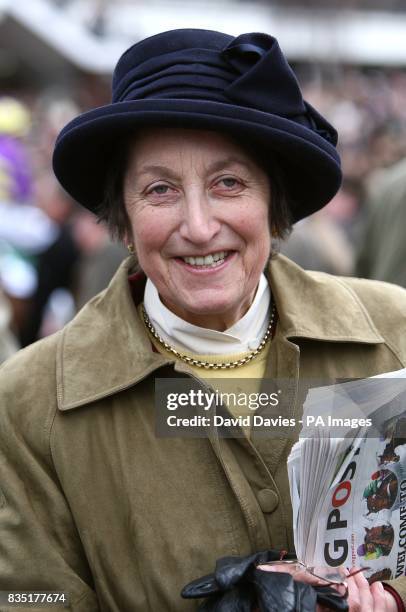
(94, 504)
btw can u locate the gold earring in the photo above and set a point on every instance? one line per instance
(131, 248)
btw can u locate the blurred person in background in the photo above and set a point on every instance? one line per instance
(14, 183)
(52, 109)
(100, 257)
(207, 152)
(24, 230)
(325, 241)
(91, 257)
(55, 264)
(369, 111)
(15, 163)
(382, 249)
(37, 252)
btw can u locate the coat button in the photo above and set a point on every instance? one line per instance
(268, 500)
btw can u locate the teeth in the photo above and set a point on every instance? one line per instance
(212, 260)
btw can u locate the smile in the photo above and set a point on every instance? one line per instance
(212, 260)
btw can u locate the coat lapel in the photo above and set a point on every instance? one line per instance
(318, 306)
(105, 348)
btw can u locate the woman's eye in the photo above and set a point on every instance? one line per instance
(160, 189)
(228, 186)
(229, 182)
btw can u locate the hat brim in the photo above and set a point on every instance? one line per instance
(85, 147)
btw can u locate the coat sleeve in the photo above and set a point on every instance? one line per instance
(40, 547)
(399, 584)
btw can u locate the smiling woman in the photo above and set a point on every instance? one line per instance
(193, 197)
(206, 153)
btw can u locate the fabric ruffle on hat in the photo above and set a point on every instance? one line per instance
(203, 79)
(280, 94)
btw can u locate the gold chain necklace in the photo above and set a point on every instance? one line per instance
(228, 365)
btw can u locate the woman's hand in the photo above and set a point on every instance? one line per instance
(365, 598)
(361, 596)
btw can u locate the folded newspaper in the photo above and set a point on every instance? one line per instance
(347, 477)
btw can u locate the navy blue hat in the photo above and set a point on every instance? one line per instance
(206, 80)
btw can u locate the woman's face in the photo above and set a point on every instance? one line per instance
(199, 212)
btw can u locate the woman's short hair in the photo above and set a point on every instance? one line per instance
(112, 209)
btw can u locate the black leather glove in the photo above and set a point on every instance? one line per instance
(238, 586)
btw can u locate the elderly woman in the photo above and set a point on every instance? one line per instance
(206, 153)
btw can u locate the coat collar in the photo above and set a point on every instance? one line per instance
(318, 306)
(105, 348)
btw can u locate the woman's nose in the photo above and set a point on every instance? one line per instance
(199, 223)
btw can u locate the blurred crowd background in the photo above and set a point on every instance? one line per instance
(56, 58)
